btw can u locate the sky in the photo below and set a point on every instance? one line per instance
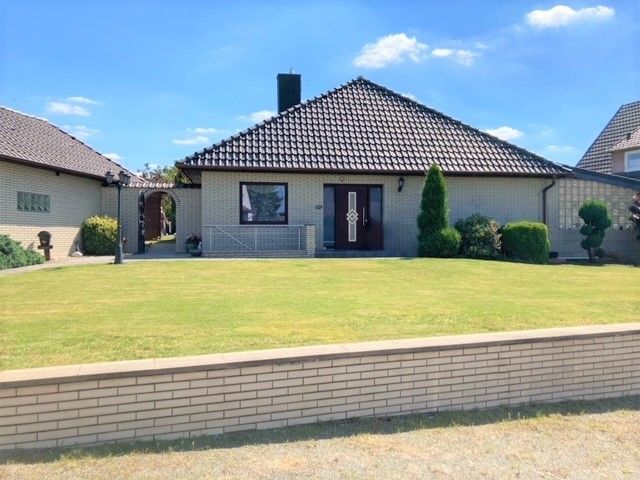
(150, 82)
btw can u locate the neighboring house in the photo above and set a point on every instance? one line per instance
(49, 181)
(349, 166)
(617, 148)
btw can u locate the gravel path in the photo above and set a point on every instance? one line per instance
(603, 443)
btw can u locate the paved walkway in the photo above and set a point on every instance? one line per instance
(60, 262)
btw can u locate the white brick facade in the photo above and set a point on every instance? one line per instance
(73, 199)
(505, 199)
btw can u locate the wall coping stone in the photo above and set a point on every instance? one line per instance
(218, 361)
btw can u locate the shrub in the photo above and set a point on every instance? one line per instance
(596, 220)
(99, 235)
(444, 243)
(12, 254)
(433, 207)
(526, 242)
(480, 237)
(635, 213)
(435, 238)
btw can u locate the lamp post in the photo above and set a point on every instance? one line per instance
(121, 181)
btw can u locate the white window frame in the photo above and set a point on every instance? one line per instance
(626, 160)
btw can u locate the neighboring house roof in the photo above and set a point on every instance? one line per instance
(598, 157)
(36, 142)
(630, 141)
(362, 127)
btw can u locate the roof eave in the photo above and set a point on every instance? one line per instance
(213, 168)
(52, 168)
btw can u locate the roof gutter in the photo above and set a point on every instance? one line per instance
(544, 198)
(343, 171)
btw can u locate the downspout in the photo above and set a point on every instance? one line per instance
(544, 199)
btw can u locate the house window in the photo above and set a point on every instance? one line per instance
(632, 161)
(34, 202)
(263, 203)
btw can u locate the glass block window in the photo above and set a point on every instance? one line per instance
(573, 192)
(34, 202)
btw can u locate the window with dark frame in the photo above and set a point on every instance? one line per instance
(263, 203)
(33, 202)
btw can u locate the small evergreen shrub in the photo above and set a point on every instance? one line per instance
(480, 237)
(435, 238)
(443, 243)
(526, 242)
(595, 215)
(99, 235)
(13, 255)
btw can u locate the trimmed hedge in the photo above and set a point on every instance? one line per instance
(444, 243)
(526, 242)
(480, 237)
(99, 235)
(13, 255)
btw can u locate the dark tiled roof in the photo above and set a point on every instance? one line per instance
(598, 156)
(364, 127)
(37, 142)
(629, 141)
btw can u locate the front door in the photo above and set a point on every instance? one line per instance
(358, 217)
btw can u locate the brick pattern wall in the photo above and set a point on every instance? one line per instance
(506, 199)
(266, 389)
(73, 199)
(565, 199)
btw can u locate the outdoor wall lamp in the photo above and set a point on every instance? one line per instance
(400, 184)
(123, 180)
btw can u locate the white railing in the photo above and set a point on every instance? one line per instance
(254, 239)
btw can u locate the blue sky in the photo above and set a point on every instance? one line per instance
(154, 81)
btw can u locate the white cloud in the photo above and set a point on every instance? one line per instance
(204, 130)
(505, 133)
(562, 15)
(461, 56)
(67, 109)
(560, 148)
(410, 96)
(259, 116)
(394, 48)
(84, 100)
(196, 140)
(80, 131)
(113, 156)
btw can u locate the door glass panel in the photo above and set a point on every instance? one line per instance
(375, 205)
(352, 216)
(329, 217)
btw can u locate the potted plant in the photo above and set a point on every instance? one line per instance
(194, 245)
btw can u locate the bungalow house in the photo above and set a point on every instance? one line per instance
(49, 181)
(337, 175)
(343, 172)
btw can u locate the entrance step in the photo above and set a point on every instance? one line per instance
(352, 253)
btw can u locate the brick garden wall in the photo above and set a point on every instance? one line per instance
(214, 394)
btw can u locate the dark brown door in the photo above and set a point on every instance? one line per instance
(357, 226)
(152, 216)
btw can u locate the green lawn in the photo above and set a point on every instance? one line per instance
(154, 309)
